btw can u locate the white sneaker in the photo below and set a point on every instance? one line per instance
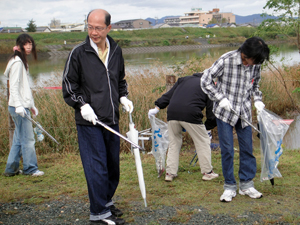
(38, 173)
(251, 192)
(227, 195)
(210, 176)
(169, 177)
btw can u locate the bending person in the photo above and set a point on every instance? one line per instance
(186, 101)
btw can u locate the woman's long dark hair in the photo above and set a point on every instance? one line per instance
(20, 42)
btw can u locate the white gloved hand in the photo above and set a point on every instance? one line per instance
(152, 112)
(128, 106)
(88, 113)
(224, 103)
(259, 105)
(21, 111)
(34, 111)
(209, 134)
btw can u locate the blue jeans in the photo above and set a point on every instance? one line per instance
(23, 145)
(247, 168)
(99, 151)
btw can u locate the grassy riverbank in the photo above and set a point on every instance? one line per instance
(147, 37)
(187, 195)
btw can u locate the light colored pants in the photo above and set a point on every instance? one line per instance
(201, 141)
(23, 145)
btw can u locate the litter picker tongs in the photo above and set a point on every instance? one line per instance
(39, 126)
(242, 118)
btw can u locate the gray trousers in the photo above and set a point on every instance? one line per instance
(201, 141)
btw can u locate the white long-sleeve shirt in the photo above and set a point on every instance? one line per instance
(19, 89)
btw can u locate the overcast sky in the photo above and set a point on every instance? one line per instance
(19, 12)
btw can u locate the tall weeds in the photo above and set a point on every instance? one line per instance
(277, 85)
(145, 85)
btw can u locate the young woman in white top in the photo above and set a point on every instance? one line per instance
(20, 103)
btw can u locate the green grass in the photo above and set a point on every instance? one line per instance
(186, 190)
(136, 38)
(145, 86)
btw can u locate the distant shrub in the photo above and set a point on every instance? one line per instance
(165, 43)
(123, 42)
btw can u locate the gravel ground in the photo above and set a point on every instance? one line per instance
(70, 211)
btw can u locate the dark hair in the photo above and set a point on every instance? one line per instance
(22, 40)
(107, 17)
(256, 49)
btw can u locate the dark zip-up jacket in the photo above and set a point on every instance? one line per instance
(87, 80)
(186, 100)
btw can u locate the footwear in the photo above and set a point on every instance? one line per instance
(251, 192)
(110, 220)
(115, 211)
(227, 195)
(13, 174)
(169, 177)
(210, 176)
(38, 173)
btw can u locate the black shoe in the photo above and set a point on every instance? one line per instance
(12, 174)
(109, 220)
(115, 211)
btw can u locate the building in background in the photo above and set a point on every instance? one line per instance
(115, 27)
(134, 24)
(172, 21)
(201, 18)
(12, 30)
(44, 29)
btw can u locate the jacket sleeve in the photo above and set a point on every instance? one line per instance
(123, 90)
(210, 122)
(72, 92)
(15, 75)
(164, 100)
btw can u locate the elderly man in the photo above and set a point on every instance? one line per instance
(94, 84)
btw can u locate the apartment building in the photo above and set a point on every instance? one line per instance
(200, 17)
(133, 24)
(172, 21)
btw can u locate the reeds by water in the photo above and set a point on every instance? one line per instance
(145, 86)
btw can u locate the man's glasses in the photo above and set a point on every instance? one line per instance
(97, 29)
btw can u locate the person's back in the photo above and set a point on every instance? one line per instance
(185, 102)
(188, 100)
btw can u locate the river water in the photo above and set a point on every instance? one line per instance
(46, 70)
(43, 70)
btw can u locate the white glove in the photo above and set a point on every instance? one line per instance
(21, 111)
(88, 113)
(34, 111)
(128, 106)
(224, 103)
(209, 134)
(152, 112)
(259, 105)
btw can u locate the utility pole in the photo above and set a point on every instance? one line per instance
(85, 23)
(155, 20)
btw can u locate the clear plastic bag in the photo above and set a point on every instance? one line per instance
(160, 143)
(272, 128)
